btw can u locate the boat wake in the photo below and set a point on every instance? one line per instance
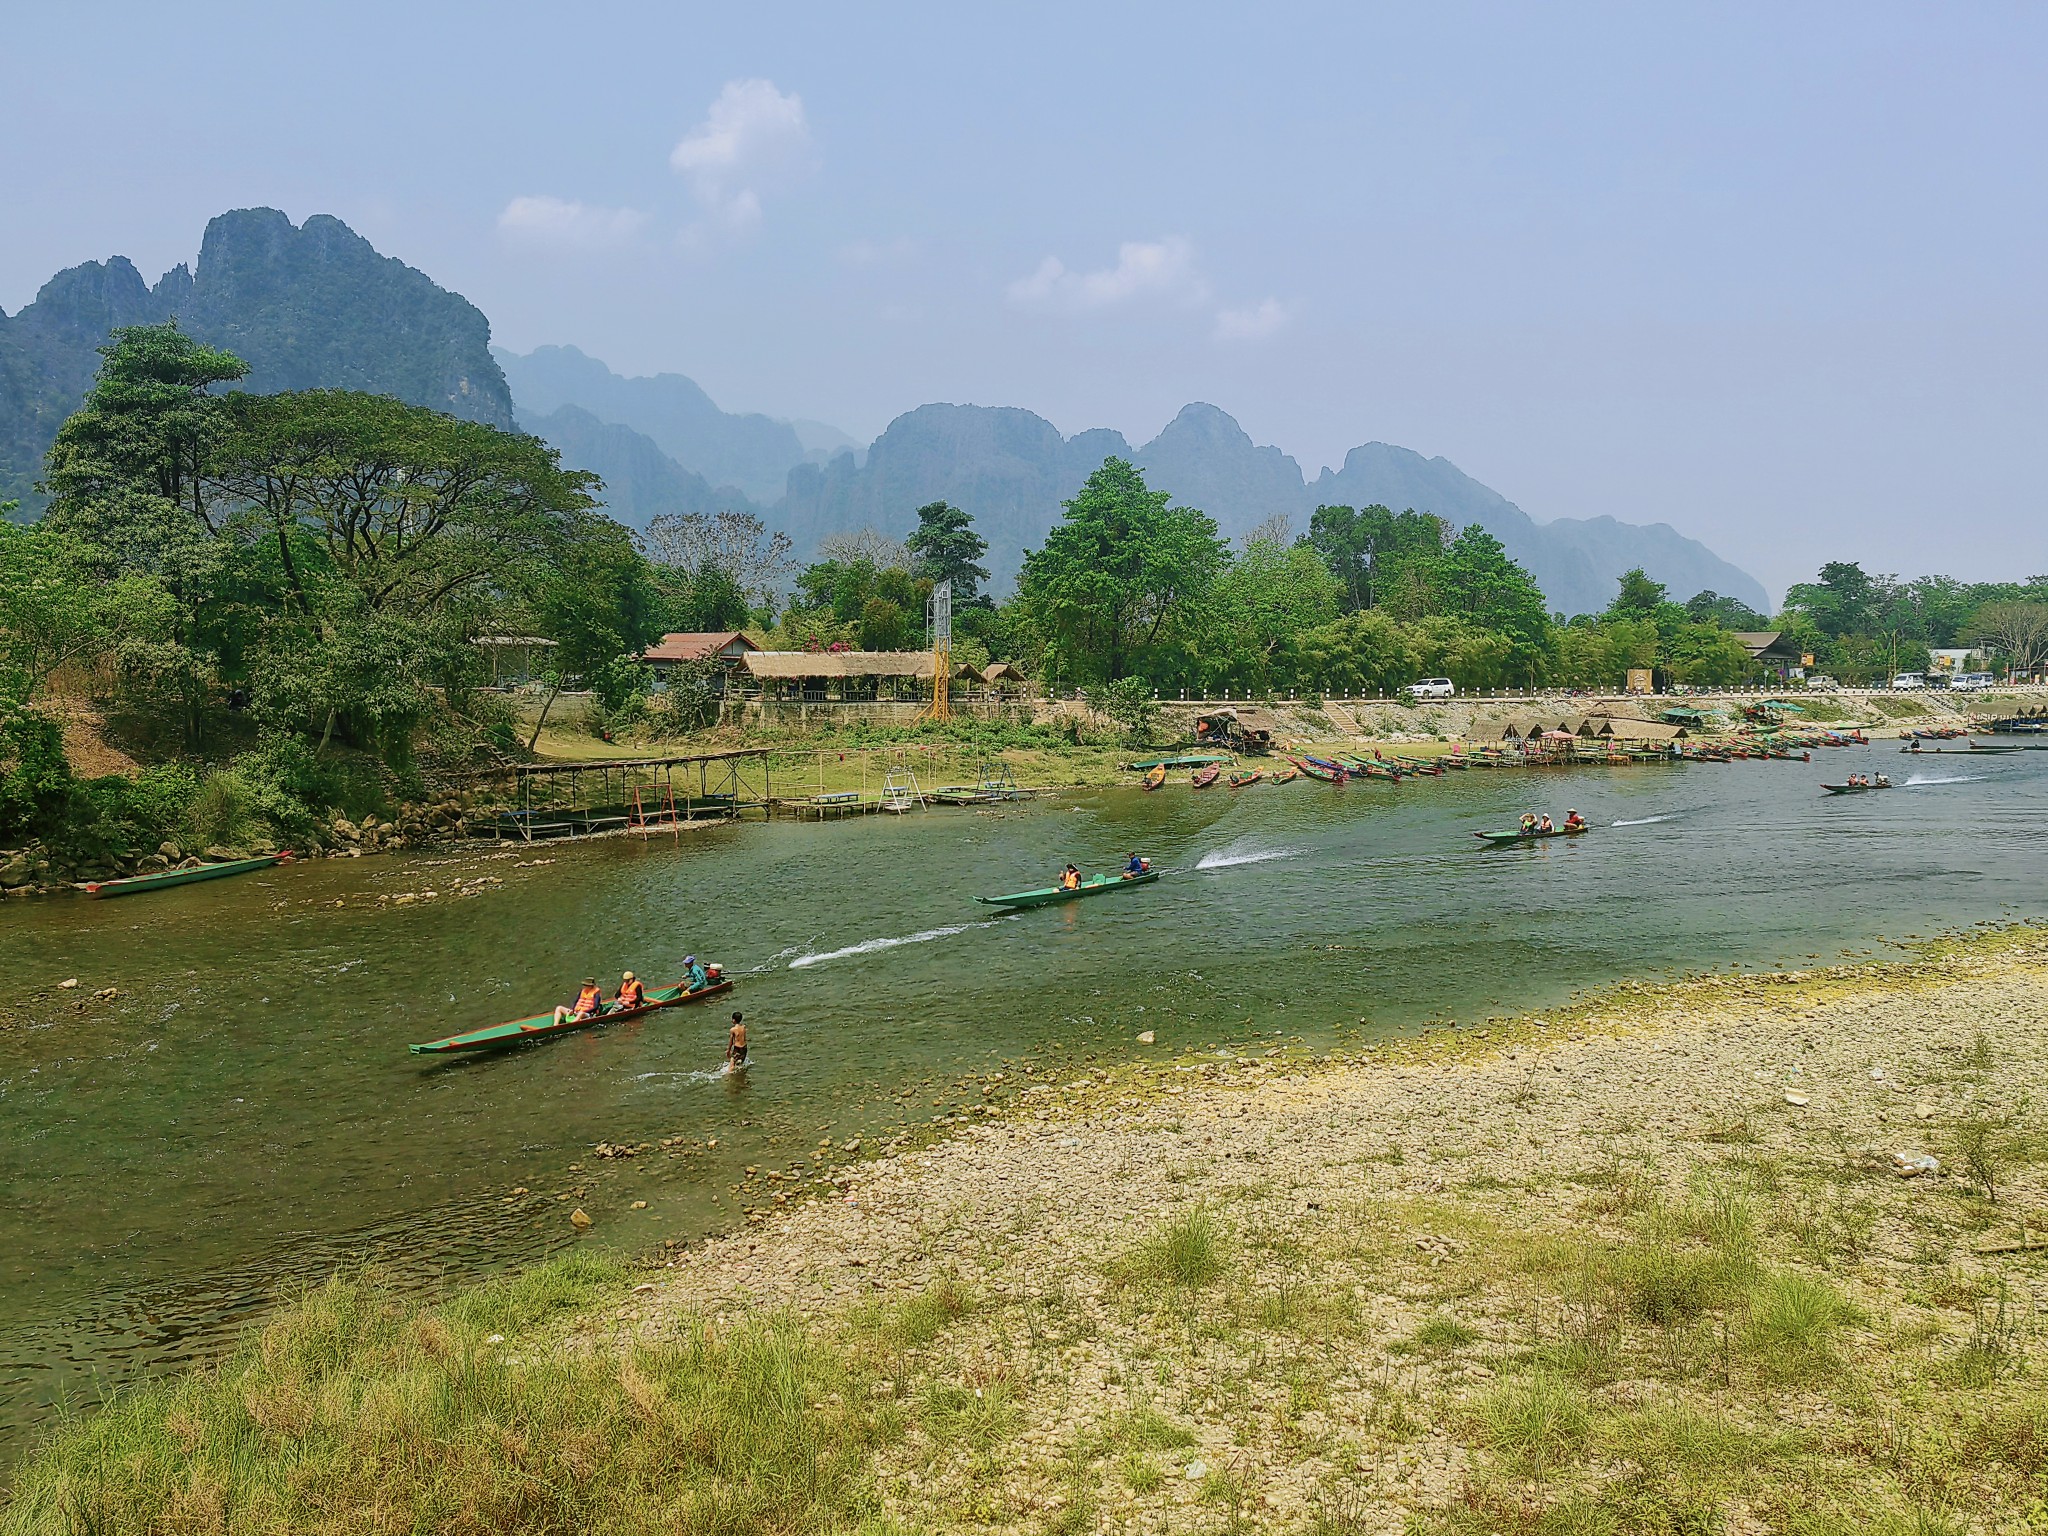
(1647, 821)
(1944, 778)
(1224, 858)
(687, 1077)
(869, 946)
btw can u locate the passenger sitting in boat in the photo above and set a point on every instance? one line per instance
(1137, 866)
(631, 994)
(1544, 826)
(1070, 879)
(1574, 822)
(589, 1004)
(1528, 822)
(695, 977)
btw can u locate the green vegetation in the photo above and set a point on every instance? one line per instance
(355, 1408)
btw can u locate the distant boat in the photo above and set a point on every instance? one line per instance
(1204, 777)
(1852, 789)
(1504, 839)
(1241, 780)
(1098, 886)
(169, 877)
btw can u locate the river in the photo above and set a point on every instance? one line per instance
(244, 1113)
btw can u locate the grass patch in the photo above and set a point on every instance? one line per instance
(359, 1409)
(1792, 1327)
(1536, 1424)
(1186, 1253)
(979, 1418)
(1441, 1335)
(918, 1321)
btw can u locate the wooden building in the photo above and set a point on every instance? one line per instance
(849, 676)
(727, 649)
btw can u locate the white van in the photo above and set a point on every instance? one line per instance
(1432, 688)
(1909, 680)
(1973, 682)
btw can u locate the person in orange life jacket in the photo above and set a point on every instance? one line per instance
(589, 1003)
(631, 994)
(1070, 879)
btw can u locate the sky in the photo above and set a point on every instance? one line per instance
(1771, 274)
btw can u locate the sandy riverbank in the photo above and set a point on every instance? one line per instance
(1647, 1264)
(1669, 1221)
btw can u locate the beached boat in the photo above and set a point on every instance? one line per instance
(542, 1026)
(1286, 775)
(1503, 839)
(1045, 898)
(1852, 789)
(1204, 777)
(1155, 776)
(1321, 768)
(1240, 780)
(168, 877)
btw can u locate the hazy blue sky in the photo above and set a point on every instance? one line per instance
(1772, 274)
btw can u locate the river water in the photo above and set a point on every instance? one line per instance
(245, 1112)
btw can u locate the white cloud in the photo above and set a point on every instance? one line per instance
(1254, 322)
(752, 134)
(1162, 269)
(562, 222)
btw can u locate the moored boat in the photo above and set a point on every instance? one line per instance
(169, 877)
(1322, 768)
(1099, 885)
(1155, 776)
(1240, 780)
(543, 1025)
(1286, 775)
(1204, 777)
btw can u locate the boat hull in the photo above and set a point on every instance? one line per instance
(1508, 839)
(169, 877)
(1099, 886)
(543, 1026)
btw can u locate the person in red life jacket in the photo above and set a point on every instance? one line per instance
(589, 1004)
(631, 994)
(1574, 822)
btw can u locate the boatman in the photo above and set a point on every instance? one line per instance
(1574, 822)
(631, 994)
(1136, 867)
(736, 1044)
(695, 977)
(589, 1004)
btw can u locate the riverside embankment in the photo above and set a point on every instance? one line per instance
(1643, 1262)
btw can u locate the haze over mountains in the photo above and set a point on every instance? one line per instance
(317, 306)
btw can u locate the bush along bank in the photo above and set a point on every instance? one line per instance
(58, 829)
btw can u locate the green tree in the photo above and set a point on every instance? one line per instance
(1477, 583)
(1371, 550)
(1359, 653)
(947, 548)
(1119, 566)
(1639, 597)
(2017, 631)
(1710, 607)
(57, 605)
(1840, 602)
(1242, 634)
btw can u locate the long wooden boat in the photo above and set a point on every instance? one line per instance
(1241, 780)
(1504, 839)
(1204, 777)
(1852, 789)
(1155, 776)
(543, 1025)
(169, 877)
(1320, 768)
(1286, 775)
(1098, 886)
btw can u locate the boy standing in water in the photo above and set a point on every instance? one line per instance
(736, 1045)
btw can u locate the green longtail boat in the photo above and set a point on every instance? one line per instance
(1503, 839)
(542, 1026)
(1045, 898)
(169, 877)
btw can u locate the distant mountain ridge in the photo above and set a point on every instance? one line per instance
(750, 452)
(306, 306)
(315, 305)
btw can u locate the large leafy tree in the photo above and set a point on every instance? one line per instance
(1379, 557)
(1477, 583)
(1710, 607)
(947, 548)
(1114, 571)
(1360, 652)
(1639, 597)
(1242, 634)
(1840, 602)
(2018, 631)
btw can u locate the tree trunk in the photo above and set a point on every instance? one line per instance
(533, 740)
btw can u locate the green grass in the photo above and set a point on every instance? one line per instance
(1536, 1424)
(1186, 1253)
(1792, 1327)
(359, 1409)
(1440, 1335)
